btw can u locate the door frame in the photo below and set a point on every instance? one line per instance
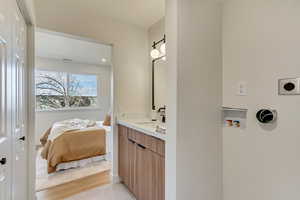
(31, 123)
(27, 10)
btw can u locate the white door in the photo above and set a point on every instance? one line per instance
(13, 165)
(19, 146)
(5, 131)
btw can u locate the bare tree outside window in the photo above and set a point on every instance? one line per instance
(60, 90)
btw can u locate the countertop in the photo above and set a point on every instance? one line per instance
(145, 126)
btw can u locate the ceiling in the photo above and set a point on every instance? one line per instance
(143, 13)
(59, 46)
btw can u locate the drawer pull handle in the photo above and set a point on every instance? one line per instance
(130, 140)
(141, 146)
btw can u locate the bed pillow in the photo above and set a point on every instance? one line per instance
(107, 120)
(45, 136)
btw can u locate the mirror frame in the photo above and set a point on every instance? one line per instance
(153, 79)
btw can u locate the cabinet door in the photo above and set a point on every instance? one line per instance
(156, 180)
(123, 155)
(141, 184)
(161, 177)
(131, 165)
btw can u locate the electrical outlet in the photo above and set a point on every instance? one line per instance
(289, 86)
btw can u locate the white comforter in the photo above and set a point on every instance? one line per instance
(59, 128)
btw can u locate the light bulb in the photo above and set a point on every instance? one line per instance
(163, 48)
(155, 53)
(164, 58)
(103, 60)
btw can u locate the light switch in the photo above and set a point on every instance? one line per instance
(242, 89)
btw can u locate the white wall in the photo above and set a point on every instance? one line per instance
(261, 45)
(171, 24)
(155, 33)
(196, 79)
(44, 119)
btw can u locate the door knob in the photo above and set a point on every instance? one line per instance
(3, 161)
(22, 138)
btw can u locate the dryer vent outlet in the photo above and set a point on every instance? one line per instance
(266, 116)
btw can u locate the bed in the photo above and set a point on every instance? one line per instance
(75, 143)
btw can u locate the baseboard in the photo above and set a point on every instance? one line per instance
(116, 179)
(108, 156)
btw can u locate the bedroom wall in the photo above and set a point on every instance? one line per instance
(261, 45)
(44, 119)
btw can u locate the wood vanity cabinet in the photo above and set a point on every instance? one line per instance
(131, 168)
(142, 164)
(123, 155)
(141, 175)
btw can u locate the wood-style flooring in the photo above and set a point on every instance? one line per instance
(75, 187)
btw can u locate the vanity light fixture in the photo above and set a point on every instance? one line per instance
(155, 53)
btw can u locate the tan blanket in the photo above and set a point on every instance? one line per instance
(73, 145)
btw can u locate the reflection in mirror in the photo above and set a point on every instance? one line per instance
(160, 83)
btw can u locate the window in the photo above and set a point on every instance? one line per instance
(62, 90)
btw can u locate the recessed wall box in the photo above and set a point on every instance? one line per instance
(234, 117)
(289, 86)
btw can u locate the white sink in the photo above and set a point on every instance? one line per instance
(154, 125)
(149, 124)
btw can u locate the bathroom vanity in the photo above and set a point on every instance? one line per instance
(142, 160)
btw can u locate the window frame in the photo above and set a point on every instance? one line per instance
(99, 104)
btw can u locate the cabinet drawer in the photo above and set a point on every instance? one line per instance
(131, 134)
(156, 145)
(151, 143)
(123, 131)
(160, 147)
(141, 138)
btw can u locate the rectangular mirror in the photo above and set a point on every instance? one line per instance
(160, 83)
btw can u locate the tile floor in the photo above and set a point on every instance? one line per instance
(108, 192)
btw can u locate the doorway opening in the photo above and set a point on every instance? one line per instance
(73, 132)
